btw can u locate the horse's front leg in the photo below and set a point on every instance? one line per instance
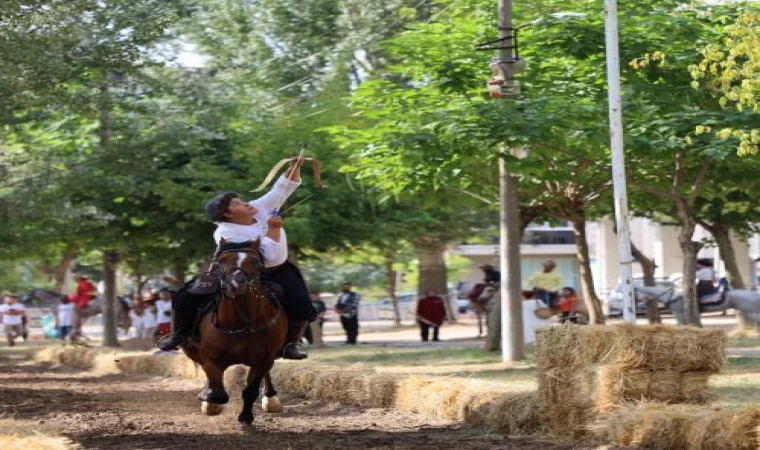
(270, 402)
(251, 391)
(214, 396)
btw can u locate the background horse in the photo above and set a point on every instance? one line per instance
(745, 301)
(46, 299)
(481, 306)
(244, 327)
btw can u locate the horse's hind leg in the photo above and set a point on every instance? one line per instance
(251, 392)
(270, 403)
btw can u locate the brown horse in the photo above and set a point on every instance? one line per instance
(244, 327)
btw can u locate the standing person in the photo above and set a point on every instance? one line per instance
(149, 320)
(86, 292)
(546, 284)
(12, 313)
(239, 222)
(567, 304)
(705, 278)
(164, 312)
(313, 334)
(348, 308)
(64, 320)
(137, 315)
(431, 312)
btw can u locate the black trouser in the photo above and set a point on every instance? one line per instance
(351, 325)
(704, 288)
(295, 300)
(548, 297)
(425, 330)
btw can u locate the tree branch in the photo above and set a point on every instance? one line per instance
(699, 181)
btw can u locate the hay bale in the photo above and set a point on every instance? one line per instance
(516, 414)
(724, 430)
(617, 385)
(661, 426)
(27, 435)
(373, 390)
(656, 347)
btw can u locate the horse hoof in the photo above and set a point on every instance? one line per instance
(211, 409)
(271, 404)
(245, 418)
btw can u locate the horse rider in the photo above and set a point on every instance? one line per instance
(240, 221)
(546, 284)
(705, 276)
(491, 277)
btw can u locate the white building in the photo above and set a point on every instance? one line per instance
(656, 240)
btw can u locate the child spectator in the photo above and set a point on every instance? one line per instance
(567, 303)
(65, 318)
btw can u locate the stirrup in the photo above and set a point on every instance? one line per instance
(164, 341)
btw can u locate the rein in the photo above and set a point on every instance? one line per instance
(250, 285)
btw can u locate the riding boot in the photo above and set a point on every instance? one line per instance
(296, 328)
(182, 327)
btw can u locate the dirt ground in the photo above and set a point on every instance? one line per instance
(152, 413)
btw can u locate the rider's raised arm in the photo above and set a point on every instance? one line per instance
(281, 190)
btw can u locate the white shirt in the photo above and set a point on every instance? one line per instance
(66, 315)
(705, 273)
(275, 253)
(164, 306)
(9, 319)
(137, 321)
(149, 319)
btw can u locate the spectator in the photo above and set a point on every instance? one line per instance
(546, 284)
(705, 277)
(137, 315)
(348, 308)
(567, 304)
(65, 318)
(164, 311)
(12, 313)
(431, 312)
(313, 333)
(149, 320)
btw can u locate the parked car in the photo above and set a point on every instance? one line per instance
(615, 299)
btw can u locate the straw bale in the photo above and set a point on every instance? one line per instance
(657, 347)
(667, 427)
(566, 421)
(725, 430)
(374, 390)
(473, 404)
(28, 435)
(620, 384)
(515, 413)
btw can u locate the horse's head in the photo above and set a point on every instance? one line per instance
(240, 266)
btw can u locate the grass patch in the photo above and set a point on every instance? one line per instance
(744, 343)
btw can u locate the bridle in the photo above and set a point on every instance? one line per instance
(237, 282)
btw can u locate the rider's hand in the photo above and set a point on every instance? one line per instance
(274, 222)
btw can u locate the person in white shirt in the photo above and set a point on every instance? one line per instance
(705, 277)
(137, 316)
(239, 222)
(13, 314)
(65, 318)
(149, 320)
(164, 311)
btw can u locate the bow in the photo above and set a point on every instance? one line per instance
(315, 166)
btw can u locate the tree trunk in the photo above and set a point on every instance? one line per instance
(690, 251)
(593, 304)
(390, 287)
(110, 262)
(137, 280)
(722, 236)
(63, 267)
(648, 267)
(493, 337)
(432, 265)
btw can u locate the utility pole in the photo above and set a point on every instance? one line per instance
(618, 159)
(509, 216)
